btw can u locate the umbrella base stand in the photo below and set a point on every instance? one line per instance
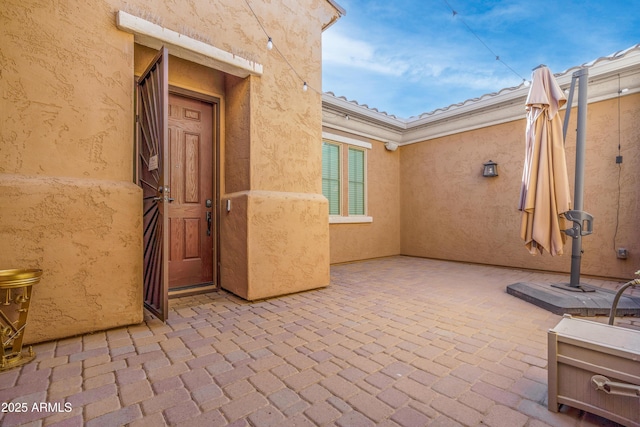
(558, 300)
(571, 288)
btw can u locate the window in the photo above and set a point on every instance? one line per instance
(344, 176)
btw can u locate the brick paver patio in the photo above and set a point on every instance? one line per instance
(397, 341)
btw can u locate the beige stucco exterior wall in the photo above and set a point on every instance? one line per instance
(274, 239)
(67, 197)
(273, 181)
(68, 202)
(449, 211)
(381, 237)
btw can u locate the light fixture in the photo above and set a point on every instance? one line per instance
(490, 169)
(305, 87)
(269, 44)
(346, 117)
(625, 90)
(391, 146)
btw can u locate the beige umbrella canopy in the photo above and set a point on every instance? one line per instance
(544, 194)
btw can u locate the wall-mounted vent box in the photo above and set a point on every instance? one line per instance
(596, 368)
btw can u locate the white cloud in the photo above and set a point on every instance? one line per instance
(411, 56)
(341, 50)
(407, 76)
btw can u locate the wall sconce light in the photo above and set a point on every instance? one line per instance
(490, 169)
(391, 146)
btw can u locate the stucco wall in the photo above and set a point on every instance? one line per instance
(68, 201)
(351, 242)
(273, 160)
(449, 211)
(237, 143)
(269, 144)
(273, 243)
(80, 232)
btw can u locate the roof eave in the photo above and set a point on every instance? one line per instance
(494, 108)
(341, 12)
(599, 68)
(352, 108)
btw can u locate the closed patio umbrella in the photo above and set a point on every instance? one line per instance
(544, 194)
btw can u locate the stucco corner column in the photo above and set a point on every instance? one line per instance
(273, 243)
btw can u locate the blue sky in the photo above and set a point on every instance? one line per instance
(408, 57)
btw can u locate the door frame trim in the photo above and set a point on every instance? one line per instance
(215, 132)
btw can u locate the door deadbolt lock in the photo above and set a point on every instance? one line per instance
(208, 203)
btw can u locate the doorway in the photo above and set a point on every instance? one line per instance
(177, 168)
(193, 214)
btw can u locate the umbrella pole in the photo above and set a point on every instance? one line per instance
(565, 126)
(576, 249)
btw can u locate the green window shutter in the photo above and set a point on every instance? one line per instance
(331, 176)
(356, 182)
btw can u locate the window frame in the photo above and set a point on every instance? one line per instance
(340, 176)
(351, 179)
(345, 144)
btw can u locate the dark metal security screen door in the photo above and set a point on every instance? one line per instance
(153, 153)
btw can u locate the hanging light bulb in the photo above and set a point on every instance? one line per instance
(269, 44)
(305, 87)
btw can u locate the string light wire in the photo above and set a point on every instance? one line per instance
(456, 14)
(273, 45)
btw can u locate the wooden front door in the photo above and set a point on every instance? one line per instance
(192, 213)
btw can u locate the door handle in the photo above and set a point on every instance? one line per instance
(165, 198)
(208, 223)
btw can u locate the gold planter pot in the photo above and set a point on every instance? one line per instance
(15, 297)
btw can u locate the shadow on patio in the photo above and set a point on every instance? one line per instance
(397, 341)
